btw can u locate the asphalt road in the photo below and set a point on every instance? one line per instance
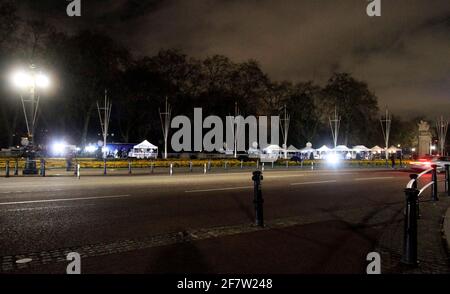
(338, 216)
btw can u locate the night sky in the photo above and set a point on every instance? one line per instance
(404, 55)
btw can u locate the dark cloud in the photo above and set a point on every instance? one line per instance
(403, 55)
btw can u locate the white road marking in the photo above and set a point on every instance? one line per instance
(63, 199)
(313, 183)
(373, 179)
(219, 189)
(24, 260)
(22, 192)
(43, 208)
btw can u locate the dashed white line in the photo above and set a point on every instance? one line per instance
(373, 179)
(62, 199)
(314, 183)
(219, 189)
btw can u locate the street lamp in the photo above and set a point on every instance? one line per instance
(29, 82)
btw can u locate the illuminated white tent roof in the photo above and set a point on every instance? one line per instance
(361, 148)
(324, 148)
(376, 149)
(393, 149)
(273, 148)
(342, 148)
(293, 149)
(145, 145)
(307, 149)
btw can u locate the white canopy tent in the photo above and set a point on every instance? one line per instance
(342, 148)
(144, 150)
(293, 149)
(394, 149)
(324, 148)
(273, 149)
(361, 148)
(377, 149)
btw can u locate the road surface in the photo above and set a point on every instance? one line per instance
(328, 219)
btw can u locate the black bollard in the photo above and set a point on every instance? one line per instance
(7, 169)
(414, 186)
(68, 164)
(190, 166)
(129, 167)
(434, 191)
(258, 199)
(16, 168)
(447, 179)
(410, 229)
(42, 167)
(75, 169)
(152, 167)
(104, 167)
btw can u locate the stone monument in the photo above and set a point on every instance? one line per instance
(424, 138)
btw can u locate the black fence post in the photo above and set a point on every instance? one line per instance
(447, 179)
(75, 169)
(7, 169)
(414, 186)
(42, 167)
(434, 191)
(16, 168)
(409, 256)
(258, 199)
(69, 164)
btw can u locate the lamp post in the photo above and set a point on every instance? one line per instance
(28, 82)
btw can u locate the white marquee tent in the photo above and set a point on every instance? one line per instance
(144, 150)
(342, 148)
(394, 149)
(361, 148)
(377, 149)
(324, 148)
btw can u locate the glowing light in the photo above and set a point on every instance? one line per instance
(90, 148)
(333, 158)
(42, 81)
(21, 79)
(59, 148)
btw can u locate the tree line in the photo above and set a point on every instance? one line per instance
(85, 63)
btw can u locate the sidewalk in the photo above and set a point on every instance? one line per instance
(433, 253)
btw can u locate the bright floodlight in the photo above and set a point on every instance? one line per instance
(21, 79)
(59, 148)
(333, 159)
(42, 81)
